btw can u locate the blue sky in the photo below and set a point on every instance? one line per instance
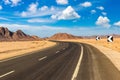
(47, 17)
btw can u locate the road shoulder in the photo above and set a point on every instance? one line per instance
(114, 56)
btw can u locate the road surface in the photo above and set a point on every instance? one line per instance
(65, 61)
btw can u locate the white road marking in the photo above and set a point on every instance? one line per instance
(74, 76)
(6, 74)
(10, 59)
(57, 51)
(42, 58)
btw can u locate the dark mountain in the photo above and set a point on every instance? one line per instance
(6, 35)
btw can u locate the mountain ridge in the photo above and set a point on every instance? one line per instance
(19, 35)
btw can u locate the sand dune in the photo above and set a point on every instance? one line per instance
(10, 49)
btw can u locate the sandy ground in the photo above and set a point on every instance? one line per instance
(11, 49)
(111, 50)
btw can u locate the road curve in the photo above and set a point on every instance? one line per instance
(65, 61)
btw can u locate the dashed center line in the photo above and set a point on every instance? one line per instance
(42, 58)
(7, 74)
(63, 48)
(57, 51)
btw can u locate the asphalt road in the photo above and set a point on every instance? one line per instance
(65, 61)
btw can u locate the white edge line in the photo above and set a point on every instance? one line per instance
(29, 53)
(42, 58)
(1, 76)
(10, 58)
(15, 57)
(74, 76)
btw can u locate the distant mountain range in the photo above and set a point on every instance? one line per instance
(19, 35)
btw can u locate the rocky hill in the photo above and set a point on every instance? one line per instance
(7, 35)
(61, 36)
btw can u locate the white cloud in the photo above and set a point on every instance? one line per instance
(103, 22)
(100, 8)
(15, 26)
(86, 4)
(117, 23)
(33, 7)
(30, 27)
(104, 13)
(44, 8)
(1, 7)
(24, 14)
(7, 2)
(15, 2)
(62, 2)
(2, 18)
(55, 16)
(93, 11)
(12, 2)
(67, 14)
(40, 20)
(33, 10)
(52, 8)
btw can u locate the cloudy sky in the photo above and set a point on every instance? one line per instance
(46, 17)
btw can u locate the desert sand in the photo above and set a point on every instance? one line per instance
(11, 49)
